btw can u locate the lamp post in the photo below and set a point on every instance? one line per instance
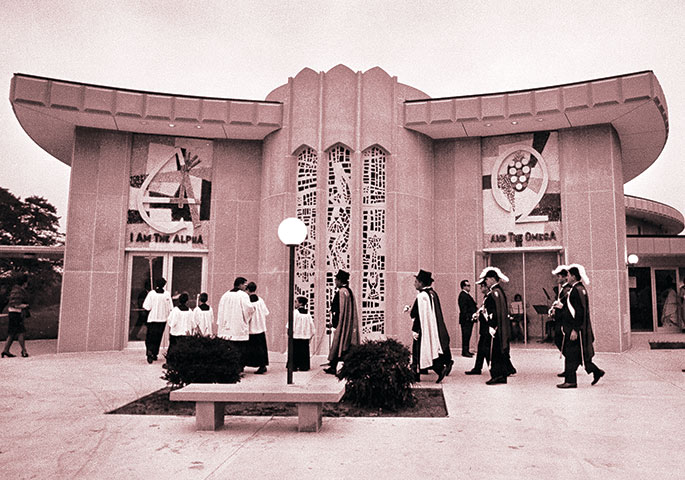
(292, 232)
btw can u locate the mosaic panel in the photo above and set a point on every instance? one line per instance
(338, 217)
(373, 241)
(305, 260)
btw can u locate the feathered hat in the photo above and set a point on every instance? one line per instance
(559, 269)
(581, 270)
(491, 272)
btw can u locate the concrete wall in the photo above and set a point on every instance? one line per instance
(93, 304)
(594, 227)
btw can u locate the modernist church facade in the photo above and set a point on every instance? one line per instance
(387, 179)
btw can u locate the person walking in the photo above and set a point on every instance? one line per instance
(499, 326)
(233, 317)
(467, 307)
(431, 346)
(158, 302)
(578, 334)
(18, 310)
(559, 310)
(257, 354)
(484, 338)
(345, 320)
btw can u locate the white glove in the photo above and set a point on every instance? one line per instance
(415, 335)
(492, 331)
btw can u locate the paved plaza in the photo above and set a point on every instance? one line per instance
(628, 426)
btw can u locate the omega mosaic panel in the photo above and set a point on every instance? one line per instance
(521, 190)
(373, 241)
(170, 192)
(305, 260)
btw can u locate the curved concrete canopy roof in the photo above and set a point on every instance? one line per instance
(49, 110)
(656, 213)
(633, 104)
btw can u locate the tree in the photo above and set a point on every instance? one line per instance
(33, 221)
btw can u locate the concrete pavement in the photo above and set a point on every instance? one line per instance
(628, 426)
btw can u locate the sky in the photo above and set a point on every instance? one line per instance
(245, 49)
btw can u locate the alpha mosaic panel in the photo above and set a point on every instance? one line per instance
(305, 260)
(338, 217)
(170, 193)
(373, 241)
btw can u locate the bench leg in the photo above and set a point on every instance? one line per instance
(309, 417)
(209, 415)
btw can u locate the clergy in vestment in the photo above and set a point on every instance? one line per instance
(345, 320)
(233, 316)
(499, 326)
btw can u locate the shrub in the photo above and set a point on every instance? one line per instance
(200, 359)
(378, 375)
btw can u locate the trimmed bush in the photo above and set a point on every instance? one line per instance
(200, 359)
(378, 375)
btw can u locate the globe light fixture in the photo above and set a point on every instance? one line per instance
(292, 232)
(633, 259)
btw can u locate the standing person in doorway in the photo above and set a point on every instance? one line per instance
(499, 326)
(17, 309)
(158, 302)
(257, 354)
(431, 346)
(344, 319)
(578, 335)
(467, 307)
(233, 317)
(484, 338)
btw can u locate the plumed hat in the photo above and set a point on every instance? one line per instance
(581, 270)
(424, 277)
(493, 272)
(560, 270)
(343, 276)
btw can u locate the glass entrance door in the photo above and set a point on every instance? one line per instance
(184, 273)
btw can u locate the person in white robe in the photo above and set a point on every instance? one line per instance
(158, 302)
(204, 317)
(303, 331)
(233, 316)
(181, 320)
(257, 354)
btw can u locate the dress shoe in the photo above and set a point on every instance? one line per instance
(467, 354)
(330, 371)
(441, 375)
(561, 375)
(24, 354)
(567, 385)
(473, 372)
(496, 381)
(448, 367)
(8, 355)
(597, 375)
(260, 370)
(149, 359)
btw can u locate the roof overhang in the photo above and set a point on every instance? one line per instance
(655, 246)
(633, 104)
(49, 111)
(655, 213)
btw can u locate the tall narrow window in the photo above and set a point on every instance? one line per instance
(307, 162)
(373, 241)
(338, 217)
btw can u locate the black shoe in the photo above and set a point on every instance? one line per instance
(260, 370)
(561, 375)
(597, 374)
(441, 375)
(467, 354)
(511, 372)
(330, 370)
(25, 354)
(423, 371)
(473, 372)
(149, 359)
(448, 367)
(8, 355)
(567, 385)
(496, 381)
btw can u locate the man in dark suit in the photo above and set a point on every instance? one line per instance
(467, 307)
(578, 336)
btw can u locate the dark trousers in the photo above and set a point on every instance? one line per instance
(500, 365)
(572, 360)
(301, 355)
(153, 338)
(466, 330)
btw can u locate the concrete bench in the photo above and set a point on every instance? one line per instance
(310, 396)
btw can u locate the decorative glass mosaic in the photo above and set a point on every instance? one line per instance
(305, 259)
(373, 241)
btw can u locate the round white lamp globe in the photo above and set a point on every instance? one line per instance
(633, 259)
(292, 231)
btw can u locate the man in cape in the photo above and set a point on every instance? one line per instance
(578, 335)
(499, 326)
(345, 320)
(431, 346)
(559, 310)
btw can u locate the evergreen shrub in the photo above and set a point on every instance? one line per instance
(378, 375)
(198, 359)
